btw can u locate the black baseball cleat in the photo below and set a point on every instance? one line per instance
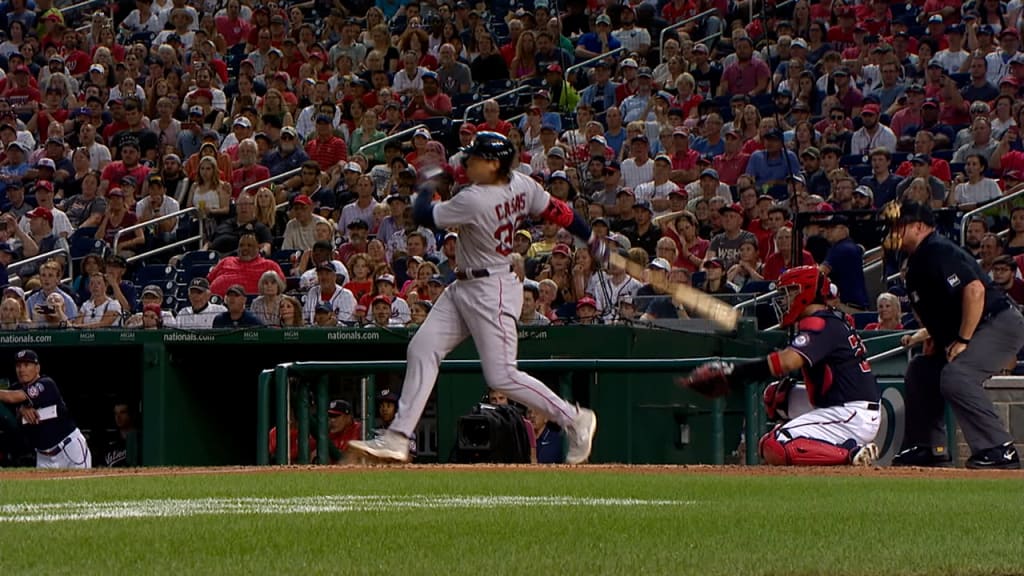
(922, 456)
(1002, 457)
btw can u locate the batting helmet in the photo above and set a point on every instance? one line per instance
(798, 288)
(492, 146)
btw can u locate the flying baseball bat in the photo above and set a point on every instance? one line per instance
(719, 313)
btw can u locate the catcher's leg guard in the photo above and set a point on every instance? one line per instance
(800, 451)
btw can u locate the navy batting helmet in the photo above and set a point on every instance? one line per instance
(492, 146)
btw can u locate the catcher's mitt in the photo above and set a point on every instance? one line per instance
(710, 380)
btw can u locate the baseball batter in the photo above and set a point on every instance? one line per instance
(486, 298)
(45, 418)
(832, 419)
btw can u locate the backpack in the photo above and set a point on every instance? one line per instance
(494, 434)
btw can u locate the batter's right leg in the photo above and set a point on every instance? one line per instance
(441, 332)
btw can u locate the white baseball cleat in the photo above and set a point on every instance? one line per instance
(865, 455)
(387, 446)
(581, 436)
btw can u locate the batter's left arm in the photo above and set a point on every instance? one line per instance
(558, 212)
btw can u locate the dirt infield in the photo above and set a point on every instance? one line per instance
(877, 472)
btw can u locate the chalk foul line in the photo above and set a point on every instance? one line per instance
(176, 508)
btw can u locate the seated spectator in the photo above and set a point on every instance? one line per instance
(91, 264)
(342, 428)
(300, 233)
(930, 189)
(116, 218)
(228, 232)
(100, 310)
(249, 170)
(380, 313)
(587, 312)
(324, 317)
(327, 291)
(267, 306)
(890, 314)
(236, 316)
(200, 312)
(244, 269)
(44, 199)
(13, 315)
(548, 439)
(748, 268)
(726, 246)
(529, 316)
(155, 204)
(290, 313)
(418, 312)
(782, 259)
(644, 233)
(652, 298)
(37, 301)
(991, 248)
(1004, 277)
(977, 189)
(86, 208)
(1015, 237)
(715, 281)
(152, 296)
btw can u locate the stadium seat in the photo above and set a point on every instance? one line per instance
(946, 155)
(440, 127)
(194, 271)
(495, 87)
(956, 167)
(198, 257)
(154, 274)
(862, 319)
(758, 286)
(853, 160)
(859, 171)
(82, 246)
(899, 158)
(284, 260)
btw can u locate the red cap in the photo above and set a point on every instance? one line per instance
(562, 249)
(22, 68)
(45, 184)
(203, 92)
(734, 207)
(824, 207)
(152, 308)
(318, 55)
(586, 301)
(468, 128)
(381, 298)
(41, 212)
(302, 200)
(1009, 32)
(1011, 80)
(871, 109)
(555, 68)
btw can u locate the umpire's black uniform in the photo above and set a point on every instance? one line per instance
(938, 271)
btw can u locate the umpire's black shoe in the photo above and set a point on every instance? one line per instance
(1003, 457)
(922, 456)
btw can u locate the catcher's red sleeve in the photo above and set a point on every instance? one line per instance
(558, 212)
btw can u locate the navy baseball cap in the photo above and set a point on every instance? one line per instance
(337, 407)
(387, 395)
(323, 307)
(26, 357)
(7, 249)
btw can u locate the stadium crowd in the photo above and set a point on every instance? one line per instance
(202, 164)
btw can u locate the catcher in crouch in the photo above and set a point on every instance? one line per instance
(834, 416)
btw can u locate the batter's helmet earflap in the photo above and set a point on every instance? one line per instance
(798, 288)
(492, 146)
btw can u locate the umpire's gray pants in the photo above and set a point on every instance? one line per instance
(930, 380)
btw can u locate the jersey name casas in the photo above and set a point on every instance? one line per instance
(487, 218)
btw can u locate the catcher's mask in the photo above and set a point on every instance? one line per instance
(798, 288)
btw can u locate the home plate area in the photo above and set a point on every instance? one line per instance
(168, 508)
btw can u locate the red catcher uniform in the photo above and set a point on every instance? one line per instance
(836, 410)
(340, 440)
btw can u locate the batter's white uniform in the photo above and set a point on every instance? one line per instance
(486, 305)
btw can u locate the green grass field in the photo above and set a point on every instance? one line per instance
(511, 521)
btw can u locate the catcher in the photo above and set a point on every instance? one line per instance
(833, 418)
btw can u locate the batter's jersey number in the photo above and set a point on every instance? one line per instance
(505, 235)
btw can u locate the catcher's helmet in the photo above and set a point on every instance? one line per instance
(492, 146)
(798, 288)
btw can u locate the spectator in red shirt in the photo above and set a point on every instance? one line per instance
(748, 75)
(231, 26)
(1004, 277)
(431, 102)
(734, 162)
(19, 93)
(924, 143)
(249, 169)
(889, 313)
(782, 259)
(492, 119)
(326, 149)
(244, 269)
(128, 165)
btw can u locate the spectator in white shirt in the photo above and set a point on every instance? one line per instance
(638, 168)
(327, 291)
(199, 314)
(873, 134)
(977, 188)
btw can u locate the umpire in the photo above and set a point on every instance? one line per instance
(975, 330)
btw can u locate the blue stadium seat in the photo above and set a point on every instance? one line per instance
(862, 319)
(198, 257)
(946, 155)
(284, 260)
(853, 160)
(758, 287)
(955, 167)
(194, 271)
(495, 87)
(859, 171)
(440, 126)
(899, 158)
(82, 246)
(154, 274)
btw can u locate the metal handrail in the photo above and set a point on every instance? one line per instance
(680, 24)
(890, 352)
(708, 37)
(967, 216)
(43, 257)
(369, 145)
(757, 298)
(272, 179)
(79, 5)
(597, 58)
(516, 90)
(147, 223)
